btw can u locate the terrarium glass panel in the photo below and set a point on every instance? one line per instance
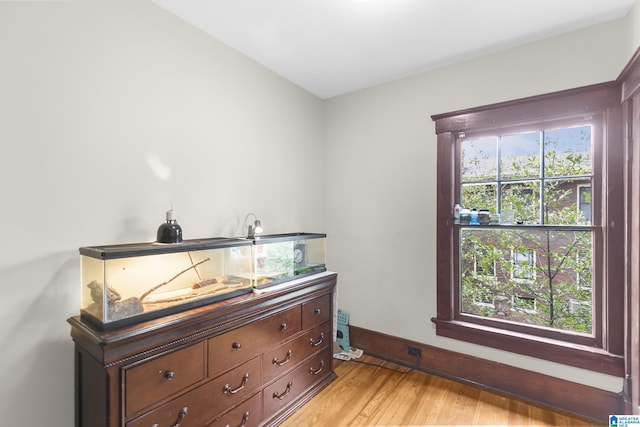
(273, 262)
(282, 257)
(124, 284)
(309, 256)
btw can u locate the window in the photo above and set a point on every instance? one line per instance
(480, 277)
(484, 263)
(523, 265)
(541, 282)
(524, 304)
(584, 203)
(534, 179)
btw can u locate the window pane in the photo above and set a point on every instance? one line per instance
(480, 196)
(480, 160)
(568, 151)
(567, 201)
(523, 264)
(520, 156)
(523, 200)
(539, 277)
(584, 202)
(478, 271)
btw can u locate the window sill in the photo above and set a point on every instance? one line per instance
(580, 356)
(552, 227)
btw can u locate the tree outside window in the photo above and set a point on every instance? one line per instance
(539, 265)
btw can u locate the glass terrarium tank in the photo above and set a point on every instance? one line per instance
(278, 258)
(126, 284)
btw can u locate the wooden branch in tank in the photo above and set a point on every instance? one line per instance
(143, 296)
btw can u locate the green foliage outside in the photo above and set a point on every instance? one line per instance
(539, 273)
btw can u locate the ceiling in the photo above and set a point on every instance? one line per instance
(332, 47)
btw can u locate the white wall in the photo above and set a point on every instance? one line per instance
(633, 25)
(92, 94)
(381, 158)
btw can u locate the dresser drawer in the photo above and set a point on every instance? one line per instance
(200, 405)
(288, 388)
(247, 414)
(187, 410)
(316, 311)
(154, 379)
(234, 347)
(284, 357)
(234, 386)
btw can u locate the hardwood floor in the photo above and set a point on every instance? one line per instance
(392, 395)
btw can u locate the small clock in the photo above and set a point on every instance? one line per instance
(298, 255)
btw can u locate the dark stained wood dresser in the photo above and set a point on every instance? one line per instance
(247, 361)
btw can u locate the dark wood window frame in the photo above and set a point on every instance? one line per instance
(603, 351)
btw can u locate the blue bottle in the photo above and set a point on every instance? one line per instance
(474, 217)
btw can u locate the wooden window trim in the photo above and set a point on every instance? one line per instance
(604, 352)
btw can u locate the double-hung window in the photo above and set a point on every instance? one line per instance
(542, 278)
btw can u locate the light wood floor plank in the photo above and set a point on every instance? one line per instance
(391, 395)
(492, 409)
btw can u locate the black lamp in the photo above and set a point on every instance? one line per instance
(170, 231)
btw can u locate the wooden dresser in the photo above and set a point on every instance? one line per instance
(247, 361)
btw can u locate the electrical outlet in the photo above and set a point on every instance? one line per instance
(415, 351)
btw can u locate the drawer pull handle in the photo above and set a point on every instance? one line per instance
(283, 326)
(181, 415)
(245, 418)
(169, 375)
(317, 311)
(317, 371)
(282, 362)
(227, 387)
(284, 394)
(313, 343)
(236, 346)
